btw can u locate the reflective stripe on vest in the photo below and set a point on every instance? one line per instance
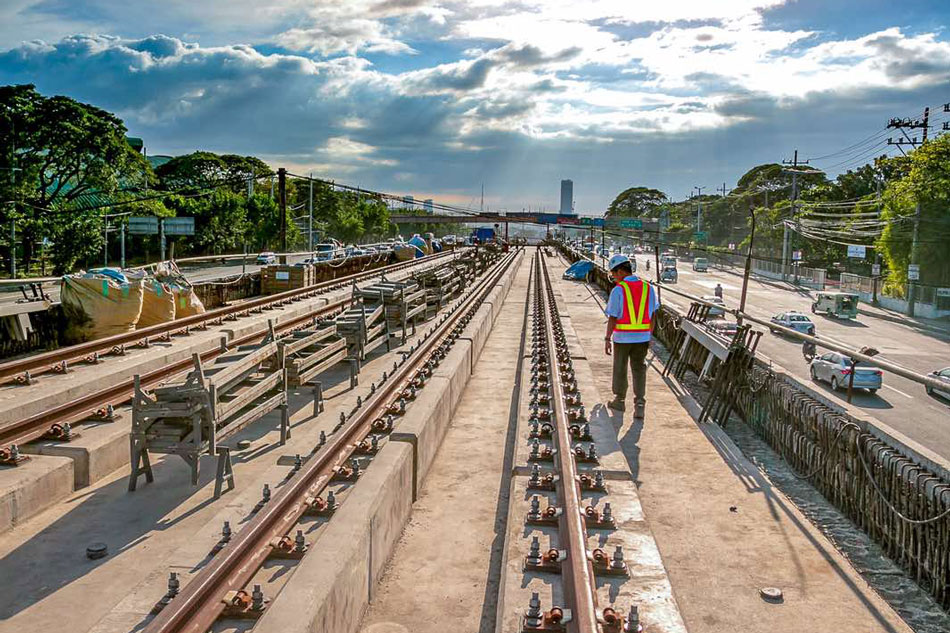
(631, 320)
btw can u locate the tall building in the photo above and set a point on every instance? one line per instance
(567, 197)
(427, 205)
(408, 202)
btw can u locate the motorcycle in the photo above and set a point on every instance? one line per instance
(809, 351)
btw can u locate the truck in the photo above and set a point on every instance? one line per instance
(483, 234)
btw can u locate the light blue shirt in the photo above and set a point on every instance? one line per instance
(615, 309)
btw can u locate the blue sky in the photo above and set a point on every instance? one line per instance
(435, 97)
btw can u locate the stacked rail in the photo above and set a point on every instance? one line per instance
(56, 423)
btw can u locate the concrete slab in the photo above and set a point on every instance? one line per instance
(100, 449)
(33, 486)
(332, 585)
(445, 570)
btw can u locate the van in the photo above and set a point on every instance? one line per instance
(701, 265)
(841, 305)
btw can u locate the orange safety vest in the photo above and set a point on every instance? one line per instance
(631, 320)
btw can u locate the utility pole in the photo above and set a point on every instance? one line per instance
(282, 203)
(877, 251)
(481, 206)
(699, 208)
(748, 268)
(912, 285)
(161, 239)
(105, 240)
(723, 190)
(122, 245)
(310, 212)
(785, 236)
(901, 124)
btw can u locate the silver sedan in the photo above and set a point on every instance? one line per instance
(835, 369)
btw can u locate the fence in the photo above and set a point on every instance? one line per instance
(898, 502)
(931, 302)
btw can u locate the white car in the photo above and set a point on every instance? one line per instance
(943, 375)
(266, 258)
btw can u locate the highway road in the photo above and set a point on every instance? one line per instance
(901, 403)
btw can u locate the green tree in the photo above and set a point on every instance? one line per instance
(636, 202)
(927, 182)
(200, 170)
(62, 150)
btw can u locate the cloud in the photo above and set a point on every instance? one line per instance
(437, 93)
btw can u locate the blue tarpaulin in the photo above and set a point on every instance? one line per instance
(579, 270)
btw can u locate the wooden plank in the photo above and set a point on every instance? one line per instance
(246, 396)
(301, 364)
(259, 411)
(304, 377)
(236, 372)
(308, 340)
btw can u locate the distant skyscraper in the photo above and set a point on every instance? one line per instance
(408, 202)
(567, 197)
(427, 205)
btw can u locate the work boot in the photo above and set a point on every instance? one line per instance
(617, 404)
(639, 408)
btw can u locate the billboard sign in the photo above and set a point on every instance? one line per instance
(858, 251)
(913, 272)
(145, 225)
(179, 226)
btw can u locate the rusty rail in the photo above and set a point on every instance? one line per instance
(55, 423)
(23, 369)
(205, 598)
(578, 573)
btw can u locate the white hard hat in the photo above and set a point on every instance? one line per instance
(617, 260)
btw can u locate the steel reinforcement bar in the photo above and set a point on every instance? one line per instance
(219, 587)
(58, 361)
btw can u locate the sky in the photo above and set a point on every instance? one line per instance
(435, 98)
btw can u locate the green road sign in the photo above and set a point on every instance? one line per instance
(631, 223)
(699, 236)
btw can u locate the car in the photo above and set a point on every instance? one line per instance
(701, 265)
(716, 311)
(943, 375)
(669, 274)
(266, 258)
(723, 327)
(793, 321)
(835, 369)
(325, 252)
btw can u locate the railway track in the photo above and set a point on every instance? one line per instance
(561, 436)
(222, 588)
(56, 423)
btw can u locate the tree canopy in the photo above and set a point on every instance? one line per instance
(636, 202)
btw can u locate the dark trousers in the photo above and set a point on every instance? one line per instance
(633, 354)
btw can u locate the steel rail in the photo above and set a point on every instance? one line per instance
(578, 573)
(201, 601)
(49, 361)
(37, 426)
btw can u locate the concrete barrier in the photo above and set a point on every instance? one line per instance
(333, 585)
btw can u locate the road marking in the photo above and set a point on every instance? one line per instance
(898, 391)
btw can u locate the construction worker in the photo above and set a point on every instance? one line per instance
(630, 310)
